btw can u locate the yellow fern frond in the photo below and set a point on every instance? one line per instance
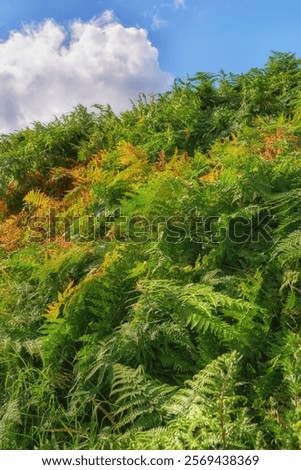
(37, 199)
(54, 309)
(212, 176)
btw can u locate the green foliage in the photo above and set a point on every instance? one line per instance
(172, 322)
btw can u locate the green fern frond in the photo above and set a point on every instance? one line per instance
(137, 398)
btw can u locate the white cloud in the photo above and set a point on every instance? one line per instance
(46, 70)
(107, 17)
(158, 23)
(179, 3)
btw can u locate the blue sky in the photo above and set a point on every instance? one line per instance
(185, 36)
(208, 35)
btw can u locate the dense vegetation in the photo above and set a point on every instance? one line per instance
(150, 271)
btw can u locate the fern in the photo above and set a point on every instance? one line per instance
(53, 310)
(208, 413)
(138, 398)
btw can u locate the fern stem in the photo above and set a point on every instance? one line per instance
(221, 415)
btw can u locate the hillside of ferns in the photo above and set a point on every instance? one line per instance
(150, 270)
